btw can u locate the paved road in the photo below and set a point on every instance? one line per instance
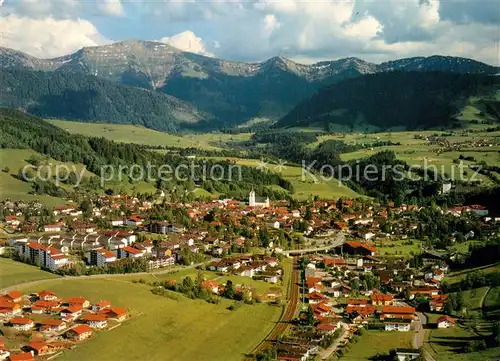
(325, 354)
(69, 278)
(338, 240)
(419, 337)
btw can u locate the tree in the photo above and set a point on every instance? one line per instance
(229, 290)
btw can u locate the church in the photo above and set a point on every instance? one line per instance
(254, 201)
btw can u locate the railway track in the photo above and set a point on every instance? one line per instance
(288, 315)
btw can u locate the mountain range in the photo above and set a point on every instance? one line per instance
(226, 93)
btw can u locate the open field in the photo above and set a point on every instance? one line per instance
(165, 328)
(377, 342)
(13, 273)
(305, 187)
(399, 248)
(140, 135)
(454, 277)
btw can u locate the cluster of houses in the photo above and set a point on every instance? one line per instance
(51, 324)
(264, 268)
(328, 288)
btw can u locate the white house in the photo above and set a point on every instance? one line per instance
(445, 322)
(399, 325)
(117, 222)
(22, 323)
(52, 228)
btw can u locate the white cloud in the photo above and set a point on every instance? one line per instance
(48, 37)
(270, 23)
(187, 41)
(111, 7)
(259, 29)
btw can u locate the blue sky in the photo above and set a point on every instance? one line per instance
(254, 30)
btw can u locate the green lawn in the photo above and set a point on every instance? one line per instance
(13, 273)
(377, 342)
(162, 328)
(397, 247)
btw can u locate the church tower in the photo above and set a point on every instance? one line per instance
(251, 198)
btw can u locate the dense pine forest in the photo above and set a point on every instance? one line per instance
(413, 100)
(88, 98)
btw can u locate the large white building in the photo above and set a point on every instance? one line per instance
(254, 201)
(99, 257)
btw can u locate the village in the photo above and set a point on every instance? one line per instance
(357, 265)
(42, 324)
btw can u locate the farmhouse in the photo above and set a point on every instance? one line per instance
(14, 296)
(79, 333)
(22, 323)
(101, 305)
(116, 313)
(445, 322)
(79, 301)
(52, 325)
(96, 320)
(71, 313)
(46, 295)
(9, 308)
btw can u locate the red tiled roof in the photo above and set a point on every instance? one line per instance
(95, 317)
(21, 321)
(25, 356)
(80, 329)
(37, 345)
(14, 295)
(446, 318)
(380, 297)
(398, 309)
(77, 300)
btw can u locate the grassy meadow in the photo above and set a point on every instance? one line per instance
(377, 342)
(13, 273)
(140, 135)
(161, 327)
